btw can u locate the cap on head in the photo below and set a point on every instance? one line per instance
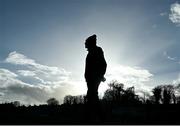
(91, 41)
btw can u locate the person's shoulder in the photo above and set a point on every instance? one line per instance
(99, 48)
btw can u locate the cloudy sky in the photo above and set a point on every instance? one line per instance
(42, 52)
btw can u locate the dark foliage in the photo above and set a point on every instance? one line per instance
(116, 94)
(157, 94)
(52, 101)
(69, 99)
(118, 106)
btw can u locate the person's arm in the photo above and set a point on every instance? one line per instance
(86, 70)
(103, 64)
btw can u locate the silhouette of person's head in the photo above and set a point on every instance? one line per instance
(90, 42)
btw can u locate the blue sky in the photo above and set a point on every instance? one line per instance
(42, 45)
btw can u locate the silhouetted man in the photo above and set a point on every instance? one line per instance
(95, 69)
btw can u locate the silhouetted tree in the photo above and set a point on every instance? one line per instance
(109, 95)
(174, 99)
(16, 103)
(130, 97)
(79, 99)
(115, 92)
(118, 90)
(151, 100)
(168, 94)
(164, 93)
(68, 99)
(118, 95)
(157, 94)
(145, 96)
(52, 101)
(177, 94)
(178, 99)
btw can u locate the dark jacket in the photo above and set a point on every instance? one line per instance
(95, 65)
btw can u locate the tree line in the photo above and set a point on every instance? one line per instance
(117, 94)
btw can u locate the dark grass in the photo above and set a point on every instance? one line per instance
(77, 114)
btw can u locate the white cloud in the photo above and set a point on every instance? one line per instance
(4, 73)
(163, 14)
(20, 59)
(26, 73)
(175, 59)
(174, 16)
(169, 57)
(130, 76)
(10, 81)
(35, 83)
(8, 78)
(45, 74)
(26, 94)
(177, 81)
(12, 88)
